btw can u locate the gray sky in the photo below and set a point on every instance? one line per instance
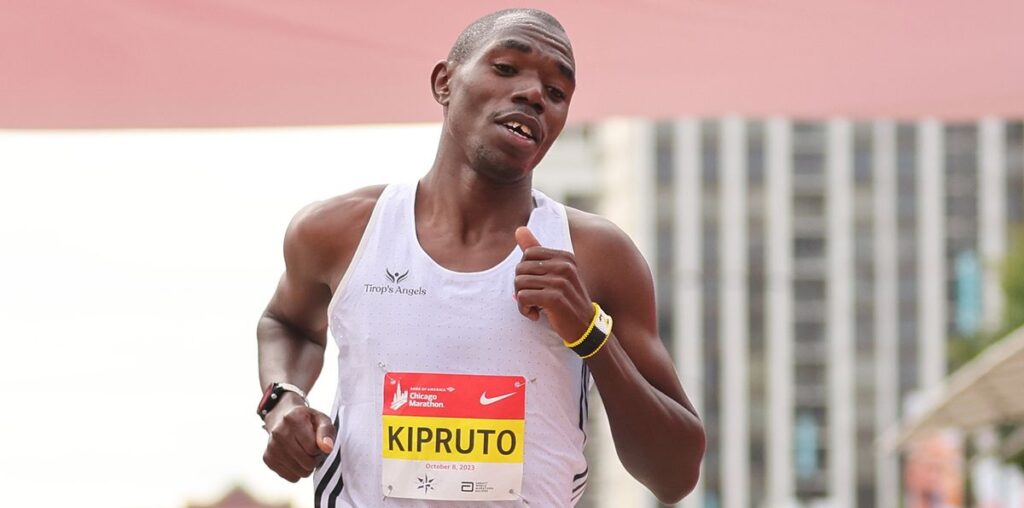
(133, 268)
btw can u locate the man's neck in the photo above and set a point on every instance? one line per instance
(471, 205)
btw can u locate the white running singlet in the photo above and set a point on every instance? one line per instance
(448, 396)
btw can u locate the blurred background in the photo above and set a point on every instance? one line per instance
(830, 196)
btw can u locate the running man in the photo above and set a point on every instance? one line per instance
(471, 313)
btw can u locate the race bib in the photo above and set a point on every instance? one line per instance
(453, 437)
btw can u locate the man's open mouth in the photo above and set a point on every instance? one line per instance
(519, 129)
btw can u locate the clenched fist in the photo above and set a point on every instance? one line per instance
(298, 439)
(548, 281)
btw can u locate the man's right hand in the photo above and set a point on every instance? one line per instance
(298, 437)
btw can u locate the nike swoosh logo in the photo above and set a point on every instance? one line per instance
(486, 401)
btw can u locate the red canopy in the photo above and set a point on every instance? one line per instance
(219, 63)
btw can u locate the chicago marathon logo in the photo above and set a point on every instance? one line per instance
(393, 285)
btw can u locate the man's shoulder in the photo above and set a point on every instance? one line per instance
(612, 266)
(339, 210)
(338, 215)
(592, 232)
(323, 231)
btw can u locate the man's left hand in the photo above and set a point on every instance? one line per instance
(548, 281)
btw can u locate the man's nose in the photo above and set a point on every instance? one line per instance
(530, 93)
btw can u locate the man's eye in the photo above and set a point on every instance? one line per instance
(504, 68)
(556, 93)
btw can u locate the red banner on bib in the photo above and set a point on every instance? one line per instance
(454, 395)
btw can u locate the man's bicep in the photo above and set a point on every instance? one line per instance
(301, 304)
(302, 295)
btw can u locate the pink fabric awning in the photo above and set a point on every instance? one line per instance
(228, 63)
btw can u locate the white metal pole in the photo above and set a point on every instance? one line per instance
(733, 318)
(839, 324)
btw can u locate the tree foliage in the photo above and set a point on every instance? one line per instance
(964, 349)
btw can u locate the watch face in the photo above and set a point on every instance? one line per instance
(603, 322)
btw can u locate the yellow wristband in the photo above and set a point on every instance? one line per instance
(597, 312)
(595, 337)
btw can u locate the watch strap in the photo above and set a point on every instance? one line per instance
(272, 395)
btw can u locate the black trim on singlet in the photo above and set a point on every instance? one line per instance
(326, 478)
(584, 401)
(576, 497)
(586, 392)
(577, 491)
(583, 393)
(332, 500)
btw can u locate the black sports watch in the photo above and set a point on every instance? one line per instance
(272, 395)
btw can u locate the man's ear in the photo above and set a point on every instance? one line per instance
(439, 80)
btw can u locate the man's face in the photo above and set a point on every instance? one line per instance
(509, 99)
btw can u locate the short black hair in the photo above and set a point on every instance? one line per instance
(477, 31)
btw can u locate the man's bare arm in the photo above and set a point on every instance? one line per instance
(657, 434)
(292, 332)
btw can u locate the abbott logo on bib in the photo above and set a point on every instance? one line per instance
(464, 432)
